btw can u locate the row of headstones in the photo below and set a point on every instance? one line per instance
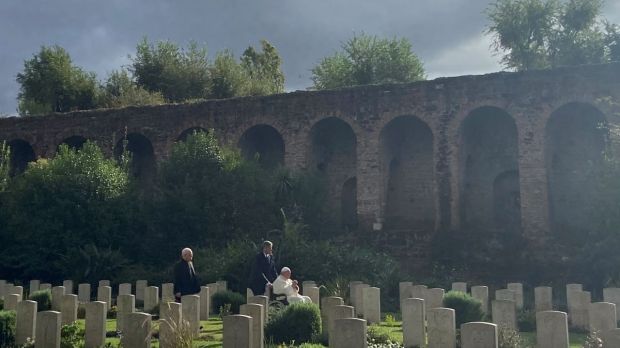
(84, 289)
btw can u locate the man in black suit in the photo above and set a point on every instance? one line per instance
(263, 270)
(185, 279)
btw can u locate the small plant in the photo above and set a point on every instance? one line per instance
(70, 336)
(593, 340)
(466, 308)
(235, 300)
(7, 328)
(509, 338)
(179, 335)
(43, 299)
(375, 336)
(390, 320)
(224, 310)
(299, 322)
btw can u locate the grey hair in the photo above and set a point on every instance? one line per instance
(185, 251)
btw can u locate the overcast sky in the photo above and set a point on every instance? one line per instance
(100, 34)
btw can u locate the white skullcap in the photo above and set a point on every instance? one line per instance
(285, 269)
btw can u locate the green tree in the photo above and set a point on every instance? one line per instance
(51, 83)
(366, 59)
(121, 90)
(75, 199)
(263, 69)
(5, 161)
(207, 194)
(228, 78)
(178, 74)
(538, 34)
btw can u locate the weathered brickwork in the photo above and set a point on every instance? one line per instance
(416, 157)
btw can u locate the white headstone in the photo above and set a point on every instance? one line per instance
(314, 294)
(552, 329)
(256, 312)
(95, 324)
(327, 305)
(372, 304)
(518, 289)
(459, 286)
(414, 316)
(434, 298)
(504, 313)
(34, 285)
(69, 309)
(191, 312)
(602, 317)
(138, 332)
(339, 312)
(124, 289)
(170, 320)
(612, 295)
(104, 294)
(47, 330)
(205, 302)
(441, 327)
(351, 333)
(479, 335)
(25, 321)
(506, 295)
(125, 304)
(238, 331)
(57, 294)
(481, 293)
(167, 292)
(543, 298)
(84, 293)
(140, 286)
(11, 301)
(68, 284)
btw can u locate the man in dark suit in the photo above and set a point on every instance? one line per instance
(185, 279)
(263, 270)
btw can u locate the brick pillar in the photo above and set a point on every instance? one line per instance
(533, 175)
(369, 181)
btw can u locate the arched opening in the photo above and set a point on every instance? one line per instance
(75, 142)
(407, 167)
(576, 138)
(333, 153)
(349, 204)
(264, 143)
(190, 131)
(507, 201)
(22, 153)
(142, 156)
(489, 163)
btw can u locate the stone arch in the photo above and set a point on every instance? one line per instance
(576, 138)
(264, 143)
(333, 154)
(75, 142)
(407, 165)
(348, 204)
(142, 155)
(183, 136)
(22, 153)
(489, 150)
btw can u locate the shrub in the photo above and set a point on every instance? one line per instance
(466, 308)
(299, 322)
(182, 335)
(43, 299)
(7, 328)
(526, 320)
(509, 338)
(71, 336)
(375, 336)
(221, 299)
(1, 304)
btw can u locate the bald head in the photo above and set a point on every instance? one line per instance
(187, 254)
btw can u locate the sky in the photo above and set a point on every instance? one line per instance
(448, 35)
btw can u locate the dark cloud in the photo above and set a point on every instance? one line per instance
(99, 35)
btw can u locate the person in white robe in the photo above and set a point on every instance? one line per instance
(284, 285)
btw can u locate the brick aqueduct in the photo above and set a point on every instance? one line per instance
(504, 151)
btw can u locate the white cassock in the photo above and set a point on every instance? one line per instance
(283, 286)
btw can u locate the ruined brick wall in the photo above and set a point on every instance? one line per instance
(421, 190)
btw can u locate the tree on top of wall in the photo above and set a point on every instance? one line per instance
(50, 82)
(365, 60)
(539, 34)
